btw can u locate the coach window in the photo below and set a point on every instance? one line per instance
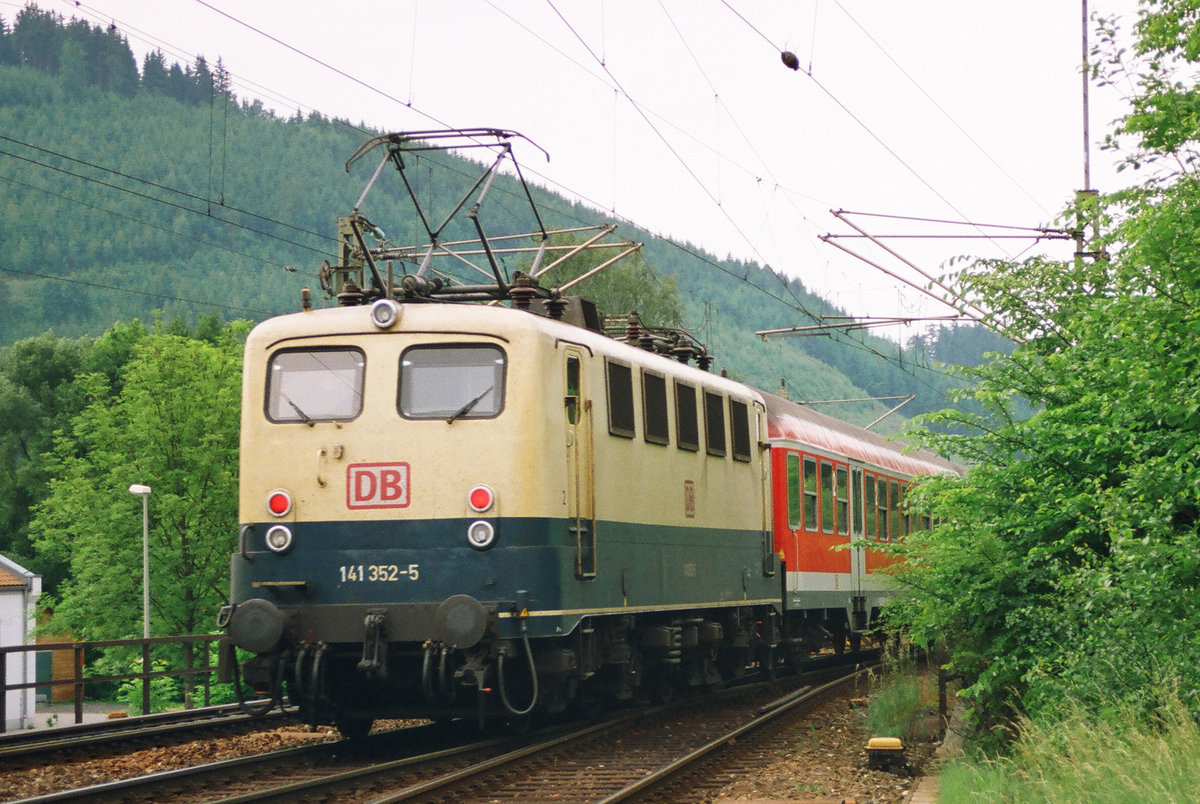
(739, 430)
(856, 500)
(869, 504)
(657, 429)
(810, 494)
(687, 422)
(843, 501)
(894, 512)
(714, 423)
(826, 497)
(620, 399)
(793, 489)
(315, 385)
(881, 506)
(451, 382)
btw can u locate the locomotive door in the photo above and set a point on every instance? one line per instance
(858, 560)
(581, 479)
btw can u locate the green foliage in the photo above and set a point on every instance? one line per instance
(172, 426)
(1076, 753)
(1067, 563)
(170, 229)
(897, 707)
(165, 691)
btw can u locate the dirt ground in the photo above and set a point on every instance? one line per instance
(823, 761)
(826, 761)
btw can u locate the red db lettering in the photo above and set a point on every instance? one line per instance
(390, 488)
(377, 485)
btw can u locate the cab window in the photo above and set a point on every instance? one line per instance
(451, 381)
(315, 385)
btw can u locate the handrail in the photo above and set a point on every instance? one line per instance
(78, 681)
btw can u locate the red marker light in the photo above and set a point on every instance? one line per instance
(481, 498)
(279, 502)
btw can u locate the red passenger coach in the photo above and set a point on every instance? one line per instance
(835, 485)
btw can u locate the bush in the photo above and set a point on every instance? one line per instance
(165, 692)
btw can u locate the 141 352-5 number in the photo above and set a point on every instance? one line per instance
(375, 573)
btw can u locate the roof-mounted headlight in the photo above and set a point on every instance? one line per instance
(385, 313)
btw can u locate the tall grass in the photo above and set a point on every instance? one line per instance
(900, 701)
(1111, 757)
(895, 708)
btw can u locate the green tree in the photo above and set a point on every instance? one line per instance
(631, 284)
(173, 426)
(37, 395)
(1067, 563)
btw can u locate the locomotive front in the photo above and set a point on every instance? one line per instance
(385, 452)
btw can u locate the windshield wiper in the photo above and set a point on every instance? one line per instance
(465, 409)
(300, 413)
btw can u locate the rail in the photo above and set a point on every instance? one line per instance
(78, 681)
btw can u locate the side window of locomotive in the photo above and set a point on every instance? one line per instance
(843, 501)
(657, 429)
(620, 399)
(315, 385)
(687, 422)
(826, 497)
(739, 430)
(810, 494)
(572, 396)
(451, 381)
(714, 423)
(793, 489)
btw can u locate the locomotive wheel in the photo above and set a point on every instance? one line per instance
(589, 700)
(768, 663)
(662, 691)
(519, 724)
(354, 728)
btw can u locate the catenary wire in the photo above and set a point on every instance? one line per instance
(667, 240)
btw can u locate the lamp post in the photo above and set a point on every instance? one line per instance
(144, 493)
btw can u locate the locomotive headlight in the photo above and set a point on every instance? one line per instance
(385, 313)
(279, 503)
(481, 535)
(279, 539)
(481, 498)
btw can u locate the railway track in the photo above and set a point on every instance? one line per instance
(629, 756)
(112, 735)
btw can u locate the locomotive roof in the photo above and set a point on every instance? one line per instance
(487, 320)
(786, 420)
(792, 421)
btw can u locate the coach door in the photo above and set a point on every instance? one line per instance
(581, 480)
(858, 561)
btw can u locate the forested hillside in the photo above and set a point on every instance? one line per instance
(131, 189)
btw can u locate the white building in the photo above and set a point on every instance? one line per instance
(19, 591)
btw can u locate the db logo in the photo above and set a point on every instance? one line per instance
(377, 485)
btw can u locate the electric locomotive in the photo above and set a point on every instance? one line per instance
(470, 500)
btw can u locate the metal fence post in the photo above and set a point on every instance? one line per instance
(145, 676)
(78, 682)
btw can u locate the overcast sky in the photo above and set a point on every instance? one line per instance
(681, 116)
